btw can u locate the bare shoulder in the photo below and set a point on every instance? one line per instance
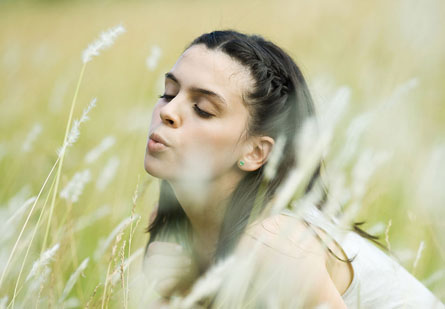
(287, 249)
(287, 235)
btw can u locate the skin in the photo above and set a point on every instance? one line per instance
(287, 249)
(203, 120)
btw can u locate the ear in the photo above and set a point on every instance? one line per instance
(256, 152)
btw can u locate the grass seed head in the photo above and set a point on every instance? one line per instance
(39, 267)
(106, 39)
(73, 190)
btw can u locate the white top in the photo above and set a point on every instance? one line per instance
(378, 281)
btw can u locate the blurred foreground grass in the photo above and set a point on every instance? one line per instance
(383, 51)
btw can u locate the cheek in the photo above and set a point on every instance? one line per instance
(212, 150)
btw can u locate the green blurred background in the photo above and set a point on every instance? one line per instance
(382, 50)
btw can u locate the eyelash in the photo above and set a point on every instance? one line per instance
(199, 111)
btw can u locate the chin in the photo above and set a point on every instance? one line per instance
(150, 168)
(154, 168)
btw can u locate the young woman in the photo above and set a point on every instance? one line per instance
(227, 101)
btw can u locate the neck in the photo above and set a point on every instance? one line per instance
(205, 203)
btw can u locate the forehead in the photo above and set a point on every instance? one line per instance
(214, 70)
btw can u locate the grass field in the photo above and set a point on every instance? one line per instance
(389, 55)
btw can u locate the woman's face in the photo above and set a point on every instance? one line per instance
(198, 127)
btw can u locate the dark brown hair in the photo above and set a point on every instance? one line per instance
(278, 104)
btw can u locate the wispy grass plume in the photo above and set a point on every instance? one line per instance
(3, 302)
(91, 218)
(106, 243)
(73, 279)
(43, 261)
(104, 145)
(31, 137)
(153, 59)
(275, 157)
(74, 188)
(117, 272)
(106, 39)
(75, 129)
(107, 173)
(207, 285)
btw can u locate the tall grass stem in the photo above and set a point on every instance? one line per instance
(62, 155)
(26, 222)
(16, 290)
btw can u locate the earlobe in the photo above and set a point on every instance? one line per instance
(256, 154)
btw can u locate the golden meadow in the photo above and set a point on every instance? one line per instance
(390, 57)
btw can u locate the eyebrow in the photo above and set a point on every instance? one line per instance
(206, 92)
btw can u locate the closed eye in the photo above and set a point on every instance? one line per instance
(167, 97)
(201, 113)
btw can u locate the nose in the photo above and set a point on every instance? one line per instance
(169, 115)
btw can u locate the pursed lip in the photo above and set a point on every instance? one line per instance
(158, 139)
